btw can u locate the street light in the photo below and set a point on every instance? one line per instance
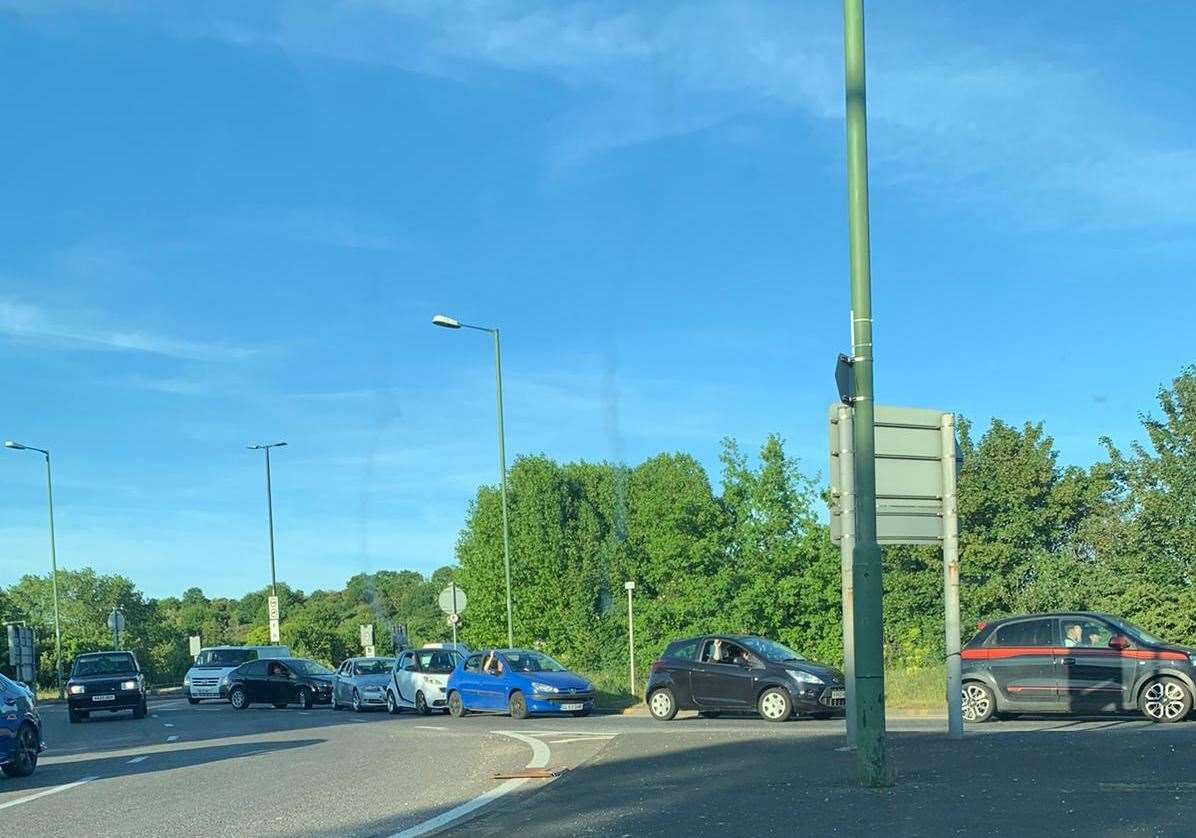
(630, 586)
(16, 446)
(449, 323)
(269, 509)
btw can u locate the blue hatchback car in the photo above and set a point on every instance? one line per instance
(517, 681)
(20, 730)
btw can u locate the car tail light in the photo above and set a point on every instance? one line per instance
(658, 666)
(980, 625)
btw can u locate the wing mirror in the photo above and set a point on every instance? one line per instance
(1119, 643)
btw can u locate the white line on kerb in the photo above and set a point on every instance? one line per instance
(47, 792)
(540, 756)
(136, 760)
(167, 724)
(172, 739)
(582, 739)
(429, 727)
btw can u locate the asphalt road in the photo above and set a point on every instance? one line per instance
(212, 770)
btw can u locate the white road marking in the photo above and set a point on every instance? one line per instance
(47, 792)
(429, 727)
(167, 724)
(304, 713)
(172, 739)
(359, 721)
(602, 738)
(136, 760)
(540, 757)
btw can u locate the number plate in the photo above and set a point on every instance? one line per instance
(836, 694)
(103, 698)
(568, 707)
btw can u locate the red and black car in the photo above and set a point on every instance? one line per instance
(1079, 662)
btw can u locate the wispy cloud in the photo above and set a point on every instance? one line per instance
(30, 324)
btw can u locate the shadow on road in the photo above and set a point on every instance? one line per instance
(115, 768)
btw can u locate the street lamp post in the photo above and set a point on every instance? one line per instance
(630, 586)
(16, 446)
(270, 515)
(450, 323)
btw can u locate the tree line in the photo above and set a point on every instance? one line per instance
(753, 555)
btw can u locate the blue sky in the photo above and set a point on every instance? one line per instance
(233, 223)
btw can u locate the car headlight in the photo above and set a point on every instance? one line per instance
(128, 685)
(803, 677)
(226, 680)
(187, 680)
(544, 688)
(76, 689)
(371, 688)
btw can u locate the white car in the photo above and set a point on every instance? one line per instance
(418, 680)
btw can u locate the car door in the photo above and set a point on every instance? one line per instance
(253, 678)
(339, 692)
(10, 718)
(280, 684)
(717, 682)
(404, 678)
(1093, 676)
(492, 685)
(1024, 659)
(467, 681)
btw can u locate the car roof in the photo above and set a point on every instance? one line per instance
(1051, 614)
(102, 654)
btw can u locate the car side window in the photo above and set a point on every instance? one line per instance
(410, 662)
(1026, 633)
(473, 664)
(682, 649)
(256, 669)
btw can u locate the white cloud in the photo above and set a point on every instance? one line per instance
(30, 324)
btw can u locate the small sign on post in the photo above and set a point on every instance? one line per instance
(116, 624)
(367, 637)
(272, 608)
(195, 645)
(452, 602)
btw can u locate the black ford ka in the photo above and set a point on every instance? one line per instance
(1074, 662)
(717, 674)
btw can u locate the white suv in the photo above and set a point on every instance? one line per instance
(213, 665)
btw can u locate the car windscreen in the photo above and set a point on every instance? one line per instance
(374, 666)
(223, 658)
(305, 667)
(770, 649)
(113, 664)
(1134, 633)
(532, 662)
(438, 661)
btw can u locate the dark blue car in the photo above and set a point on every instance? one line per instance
(517, 681)
(20, 730)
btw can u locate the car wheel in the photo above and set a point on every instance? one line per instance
(662, 705)
(238, 698)
(356, 701)
(191, 700)
(392, 706)
(709, 714)
(456, 705)
(421, 704)
(775, 705)
(140, 710)
(305, 700)
(978, 702)
(1166, 700)
(24, 758)
(517, 705)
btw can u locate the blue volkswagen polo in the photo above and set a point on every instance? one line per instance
(20, 730)
(517, 681)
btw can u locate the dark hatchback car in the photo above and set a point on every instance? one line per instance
(105, 682)
(1080, 662)
(280, 682)
(20, 730)
(741, 673)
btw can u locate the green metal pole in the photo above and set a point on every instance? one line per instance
(502, 473)
(871, 753)
(54, 579)
(270, 524)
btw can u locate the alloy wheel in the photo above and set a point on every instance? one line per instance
(1164, 701)
(26, 756)
(356, 702)
(661, 704)
(977, 703)
(774, 706)
(421, 704)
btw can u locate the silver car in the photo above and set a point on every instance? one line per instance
(361, 683)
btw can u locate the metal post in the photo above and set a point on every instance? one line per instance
(54, 579)
(502, 471)
(951, 581)
(270, 519)
(453, 586)
(631, 634)
(871, 753)
(846, 546)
